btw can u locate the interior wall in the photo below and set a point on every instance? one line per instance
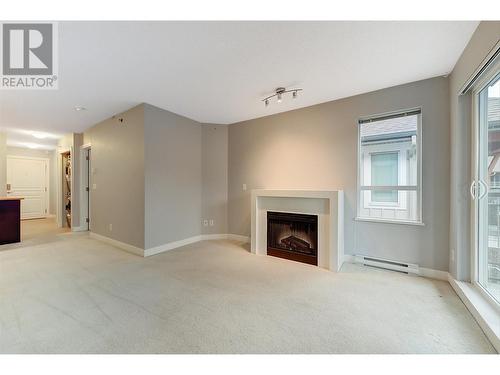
(173, 186)
(117, 201)
(316, 148)
(214, 177)
(46, 154)
(483, 40)
(3, 164)
(75, 193)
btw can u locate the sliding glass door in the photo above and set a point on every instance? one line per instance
(486, 186)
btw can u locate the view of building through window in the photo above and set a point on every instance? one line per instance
(388, 168)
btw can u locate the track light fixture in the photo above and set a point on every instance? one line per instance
(279, 94)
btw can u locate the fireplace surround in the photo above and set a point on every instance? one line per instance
(328, 206)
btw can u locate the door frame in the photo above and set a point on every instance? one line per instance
(85, 196)
(59, 180)
(475, 188)
(47, 180)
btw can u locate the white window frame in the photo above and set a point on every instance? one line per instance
(481, 83)
(400, 188)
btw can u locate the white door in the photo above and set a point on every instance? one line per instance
(28, 178)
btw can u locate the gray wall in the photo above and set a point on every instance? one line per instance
(51, 155)
(214, 177)
(3, 164)
(172, 177)
(483, 40)
(315, 148)
(118, 172)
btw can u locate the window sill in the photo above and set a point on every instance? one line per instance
(388, 221)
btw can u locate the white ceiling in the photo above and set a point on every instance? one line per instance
(218, 72)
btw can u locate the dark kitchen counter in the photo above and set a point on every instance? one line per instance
(10, 220)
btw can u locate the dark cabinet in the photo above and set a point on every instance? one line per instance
(10, 221)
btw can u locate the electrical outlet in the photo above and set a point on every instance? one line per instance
(244, 187)
(211, 222)
(110, 227)
(205, 223)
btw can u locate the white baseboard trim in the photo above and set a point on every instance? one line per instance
(238, 237)
(121, 245)
(483, 312)
(79, 229)
(171, 245)
(434, 274)
(168, 246)
(204, 237)
(208, 237)
(425, 272)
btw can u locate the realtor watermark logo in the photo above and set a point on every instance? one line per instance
(28, 56)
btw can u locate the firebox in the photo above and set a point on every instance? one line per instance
(293, 236)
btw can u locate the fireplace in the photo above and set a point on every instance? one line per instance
(293, 236)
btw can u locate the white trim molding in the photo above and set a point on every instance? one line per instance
(85, 146)
(171, 245)
(434, 274)
(239, 238)
(203, 237)
(165, 247)
(121, 245)
(79, 229)
(485, 314)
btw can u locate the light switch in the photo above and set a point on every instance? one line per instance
(94, 186)
(244, 187)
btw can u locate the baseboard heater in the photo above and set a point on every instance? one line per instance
(407, 268)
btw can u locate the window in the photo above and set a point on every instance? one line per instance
(384, 172)
(389, 167)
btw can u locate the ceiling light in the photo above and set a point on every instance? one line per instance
(279, 94)
(80, 108)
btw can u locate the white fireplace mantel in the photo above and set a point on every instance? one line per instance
(328, 205)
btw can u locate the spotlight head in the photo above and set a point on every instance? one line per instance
(266, 102)
(279, 97)
(294, 95)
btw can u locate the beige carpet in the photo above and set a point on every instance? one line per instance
(37, 231)
(78, 295)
